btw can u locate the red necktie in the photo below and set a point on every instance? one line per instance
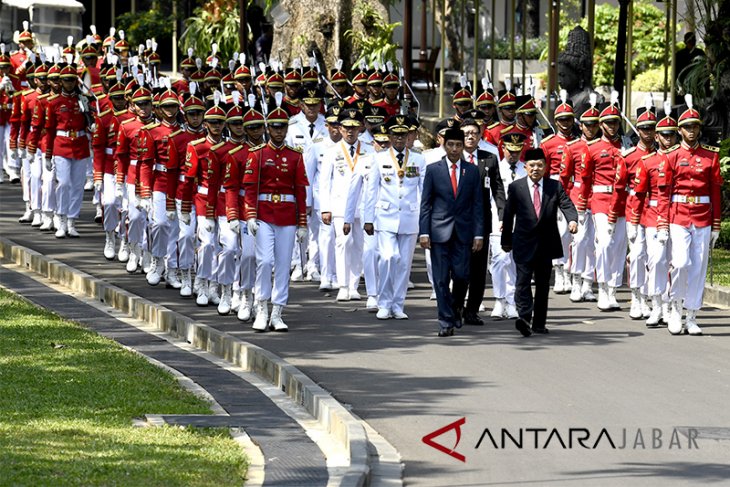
(536, 200)
(471, 158)
(453, 178)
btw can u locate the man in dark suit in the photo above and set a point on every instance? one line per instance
(531, 232)
(492, 186)
(451, 223)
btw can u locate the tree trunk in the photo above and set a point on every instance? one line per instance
(319, 26)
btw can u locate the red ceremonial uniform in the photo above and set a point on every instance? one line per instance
(103, 151)
(154, 152)
(15, 118)
(233, 181)
(199, 186)
(28, 103)
(36, 138)
(648, 204)
(696, 186)
(273, 175)
(66, 128)
(493, 133)
(291, 107)
(598, 175)
(179, 141)
(218, 161)
(554, 148)
(574, 156)
(6, 107)
(632, 158)
(181, 86)
(391, 108)
(127, 150)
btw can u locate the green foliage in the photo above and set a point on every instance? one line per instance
(650, 80)
(502, 48)
(215, 21)
(143, 25)
(724, 242)
(375, 41)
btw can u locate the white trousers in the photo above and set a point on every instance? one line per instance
(227, 261)
(71, 175)
(565, 238)
(35, 184)
(348, 253)
(207, 250)
(110, 207)
(610, 250)
(160, 228)
(136, 218)
(326, 245)
(370, 264)
(185, 239)
(4, 151)
(24, 174)
(690, 253)
(503, 270)
(657, 275)
(274, 247)
(246, 278)
(582, 252)
(394, 266)
(637, 260)
(314, 223)
(48, 189)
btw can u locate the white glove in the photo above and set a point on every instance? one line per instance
(632, 231)
(253, 226)
(560, 216)
(713, 238)
(662, 236)
(14, 154)
(48, 163)
(209, 225)
(235, 226)
(144, 204)
(611, 228)
(185, 218)
(92, 128)
(98, 186)
(171, 215)
(119, 191)
(301, 234)
(581, 217)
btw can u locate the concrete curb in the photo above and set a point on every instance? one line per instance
(330, 414)
(717, 296)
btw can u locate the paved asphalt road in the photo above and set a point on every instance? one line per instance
(594, 371)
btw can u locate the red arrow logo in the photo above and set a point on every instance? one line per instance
(456, 426)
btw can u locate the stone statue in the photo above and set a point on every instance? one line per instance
(575, 67)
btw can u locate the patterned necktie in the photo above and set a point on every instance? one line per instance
(471, 158)
(536, 199)
(311, 130)
(352, 151)
(453, 177)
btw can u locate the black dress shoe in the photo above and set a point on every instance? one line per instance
(458, 317)
(446, 332)
(471, 318)
(523, 327)
(541, 331)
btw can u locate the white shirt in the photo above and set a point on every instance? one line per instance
(298, 133)
(531, 186)
(449, 164)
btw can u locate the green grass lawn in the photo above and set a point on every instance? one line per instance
(721, 265)
(67, 400)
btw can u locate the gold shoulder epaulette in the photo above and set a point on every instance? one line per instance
(648, 155)
(493, 125)
(506, 129)
(573, 141)
(629, 151)
(175, 133)
(295, 149)
(53, 97)
(151, 125)
(235, 149)
(28, 91)
(197, 141)
(128, 120)
(258, 147)
(105, 112)
(218, 145)
(547, 138)
(673, 148)
(710, 148)
(43, 96)
(591, 142)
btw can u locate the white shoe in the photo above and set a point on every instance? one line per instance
(37, 219)
(99, 214)
(372, 304)
(13, 176)
(343, 294)
(313, 275)
(71, 228)
(235, 300)
(400, 315)
(635, 310)
(354, 295)
(411, 285)
(567, 287)
(482, 308)
(575, 294)
(383, 314)
(656, 312)
(666, 311)
(202, 297)
(109, 246)
(26, 217)
(432, 297)
(674, 325)
(56, 221)
(246, 307)
(325, 285)
(89, 184)
(277, 323)
(186, 288)
(134, 258)
(296, 275)
(691, 323)
(603, 303)
(154, 276)
(197, 284)
(499, 308)
(47, 222)
(146, 260)
(261, 323)
(123, 255)
(645, 308)
(213, 295)
(559, 285)
(61, 230)
(511, 311)
(586, 290)
(171, 279)
(224, 307)
(612, 298)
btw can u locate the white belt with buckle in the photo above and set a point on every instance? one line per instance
(653, 203)
(577, 184)
(632, 192)
(277, 198)
(681, 198)
(133, 162)
(600, 188)
(181, 178)
(202, 190)
(70, 133)
(109, 151)
(555, 177)
(160, 167)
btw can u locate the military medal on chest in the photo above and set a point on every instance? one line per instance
(401, 167)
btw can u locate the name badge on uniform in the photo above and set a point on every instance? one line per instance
(269, 162)
(299, 136)
(317, 140)
(486, 182)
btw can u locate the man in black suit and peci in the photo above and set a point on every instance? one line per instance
(451, 224)
(530, 232)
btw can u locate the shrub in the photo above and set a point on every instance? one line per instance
(650, 80)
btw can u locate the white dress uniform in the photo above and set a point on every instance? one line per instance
(501, 265)
(338, 164)
(392, 203)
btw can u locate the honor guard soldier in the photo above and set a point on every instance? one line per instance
(33, 157)
(648, 210)
(359, 86)
(375, 87)
(6, 108)
(598, 178)
(506, 110)
(193, 110)
(390, 102)
(275, 182)
(67, 149)
(462, 102)
(27, 101)
(338, 81)
(694, 219)
(199, 189)
(486, 103)
(292, 87)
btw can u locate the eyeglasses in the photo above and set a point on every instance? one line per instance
(471, 133)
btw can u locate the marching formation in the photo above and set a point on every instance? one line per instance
(234, 180)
